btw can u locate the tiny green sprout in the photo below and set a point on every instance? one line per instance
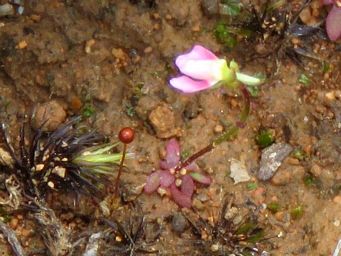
(264, 138)
(297, 212)
(224, 36)
(273, 207)
(309, 180)
(185, 154)
(303, 79)
(130, 110)
(299, 154)
(88, 110)
(98, 159)
(251, 186)
(325, 67)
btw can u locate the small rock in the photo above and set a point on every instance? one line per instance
(316, 170)
(281, 177)
(202, 197)
(272, 158)
(210, 7)
(258, 195)
(50, 112)
(218, 128)
(149, 49)
(238, 171)
(88, 45)
(22, 44)
(337, 199)
(179, 223)
(5, 158)
(162, 119)
(197, 204)
(231, 213)
(14, 223)
(196, 27)
(6, 10)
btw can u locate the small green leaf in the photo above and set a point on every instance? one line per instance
(303, 79)
(184, 154)
(309, 180)
(264, 138)
(325, 67)
(88, 110)
(297, 212)
(251, 186)
(299, 154)
(201, 178)
(273, 207)
(224, 36)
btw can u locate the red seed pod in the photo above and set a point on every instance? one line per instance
(126, 135)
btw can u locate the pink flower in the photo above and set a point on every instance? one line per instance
(202, 70)
(178, 184)
(333, 21)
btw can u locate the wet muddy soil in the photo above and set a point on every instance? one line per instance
(110, 61)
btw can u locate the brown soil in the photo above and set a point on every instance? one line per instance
(117, 57)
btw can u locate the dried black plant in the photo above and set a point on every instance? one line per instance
(68, 159)
(222, 236)
(129, 236)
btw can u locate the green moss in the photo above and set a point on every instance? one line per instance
(264, 138)
(303, 79)
(251, 186)
(88, 110)
(185, 154)
(297, 212)
(224, 36)
(309, 180)
(273, 207)
(299, 154)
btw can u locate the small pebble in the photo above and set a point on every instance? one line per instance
(337, 199)
(149, 49)
(88, 45)
(14, 223)
(50, 113)
(179, 223)
(218, 128)
(316, 170)
(330, 95)
(196, 27)
(22, 44)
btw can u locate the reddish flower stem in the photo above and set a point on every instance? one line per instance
(228, 135)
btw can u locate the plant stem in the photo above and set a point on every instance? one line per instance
(230, 134)
(120, 168)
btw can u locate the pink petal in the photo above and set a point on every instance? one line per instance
(203, 179)
(166, 178)
(172, 154)
(196, 53)
(188, 85)
(187, 185)
(180, 198)
(333, 23)
(204, 69)
(153, 182)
